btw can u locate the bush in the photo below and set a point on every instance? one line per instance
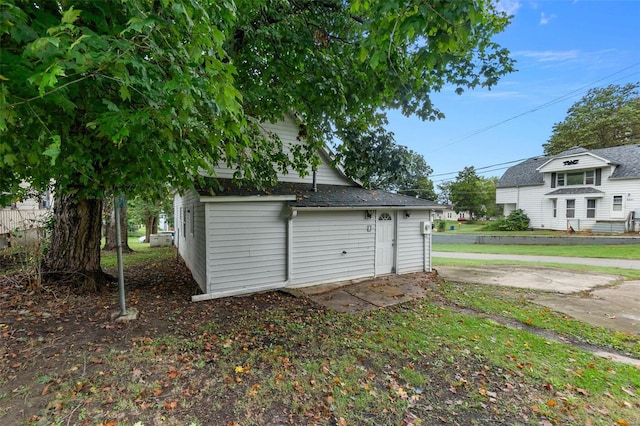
(442, 225)
(516, 221)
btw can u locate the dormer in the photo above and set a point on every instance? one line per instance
(575, 169)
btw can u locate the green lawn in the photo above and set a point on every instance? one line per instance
(627, 251)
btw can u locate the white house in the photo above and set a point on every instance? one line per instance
(579, 189)
(304, 231)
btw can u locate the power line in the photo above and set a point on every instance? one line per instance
(539, 107)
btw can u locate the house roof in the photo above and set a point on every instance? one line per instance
(626, 158)
(327, 196)
(567, 191)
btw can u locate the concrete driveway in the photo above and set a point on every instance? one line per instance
(599, 299)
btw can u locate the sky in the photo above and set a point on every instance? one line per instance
(562, 49)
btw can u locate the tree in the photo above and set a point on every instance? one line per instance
(604, 117)
(467, 193)
(126, 96)
(147, 211)
(372, 157)
(110, 243)
(488, 185)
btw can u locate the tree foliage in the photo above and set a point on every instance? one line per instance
(372, 157)
(473, 193)
(604, 117)
(102, 97)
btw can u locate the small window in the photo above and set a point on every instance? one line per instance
(560, 179)
(589, 177)
(385, 216)
(591, 208)
(555, 208)
(184, 221)
(617, 203)
(571, 208)
(192, 218)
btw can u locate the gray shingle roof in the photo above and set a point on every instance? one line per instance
(523, 174)
(566, 191)
(327, 196)
(626, 157)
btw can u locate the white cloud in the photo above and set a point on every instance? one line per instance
(544, 19)
(550, 55)
(510, 7)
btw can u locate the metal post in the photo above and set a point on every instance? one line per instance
(118, 202)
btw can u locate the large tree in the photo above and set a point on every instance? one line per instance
(101, 97)
(604, 117)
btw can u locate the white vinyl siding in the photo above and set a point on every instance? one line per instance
(539, 206)
(332, 246)
(287, 130)
(189, 211)
(411, 242)
(247, 246)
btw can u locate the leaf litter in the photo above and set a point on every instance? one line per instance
(267, 358)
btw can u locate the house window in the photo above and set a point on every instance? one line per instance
(591, 208)
(555, 207)
(183, 216)
(576, 178)
(617, 203)
(385, 216)
(589, 177)
(192, 218)
(571, 208)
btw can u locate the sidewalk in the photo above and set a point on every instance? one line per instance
(615, 263)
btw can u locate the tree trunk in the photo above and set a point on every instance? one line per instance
(151, 222)
(74, 254)
(110, 235)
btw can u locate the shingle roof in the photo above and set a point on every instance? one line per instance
(327, 196)
(566, 191)
(626, 157)
(523, 174)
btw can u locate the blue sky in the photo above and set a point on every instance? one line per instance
(562, 49)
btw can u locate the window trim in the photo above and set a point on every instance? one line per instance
(570, 211)
(591, 211)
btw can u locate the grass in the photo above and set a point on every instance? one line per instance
(514, 303)
(141, 252)
(478, 228)
(627, 251)
(375, 368)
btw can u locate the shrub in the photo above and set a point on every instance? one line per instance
(442, 225)
(516, 221)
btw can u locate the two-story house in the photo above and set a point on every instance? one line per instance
(578, 189)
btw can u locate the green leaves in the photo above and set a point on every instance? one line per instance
(53, 151)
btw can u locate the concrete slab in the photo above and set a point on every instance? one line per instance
(616, 308)
(548, 279)
(130, 315)
(341, 301)
(369, 294)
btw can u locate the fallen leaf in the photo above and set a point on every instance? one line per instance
(170, 405)
(628, 391)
